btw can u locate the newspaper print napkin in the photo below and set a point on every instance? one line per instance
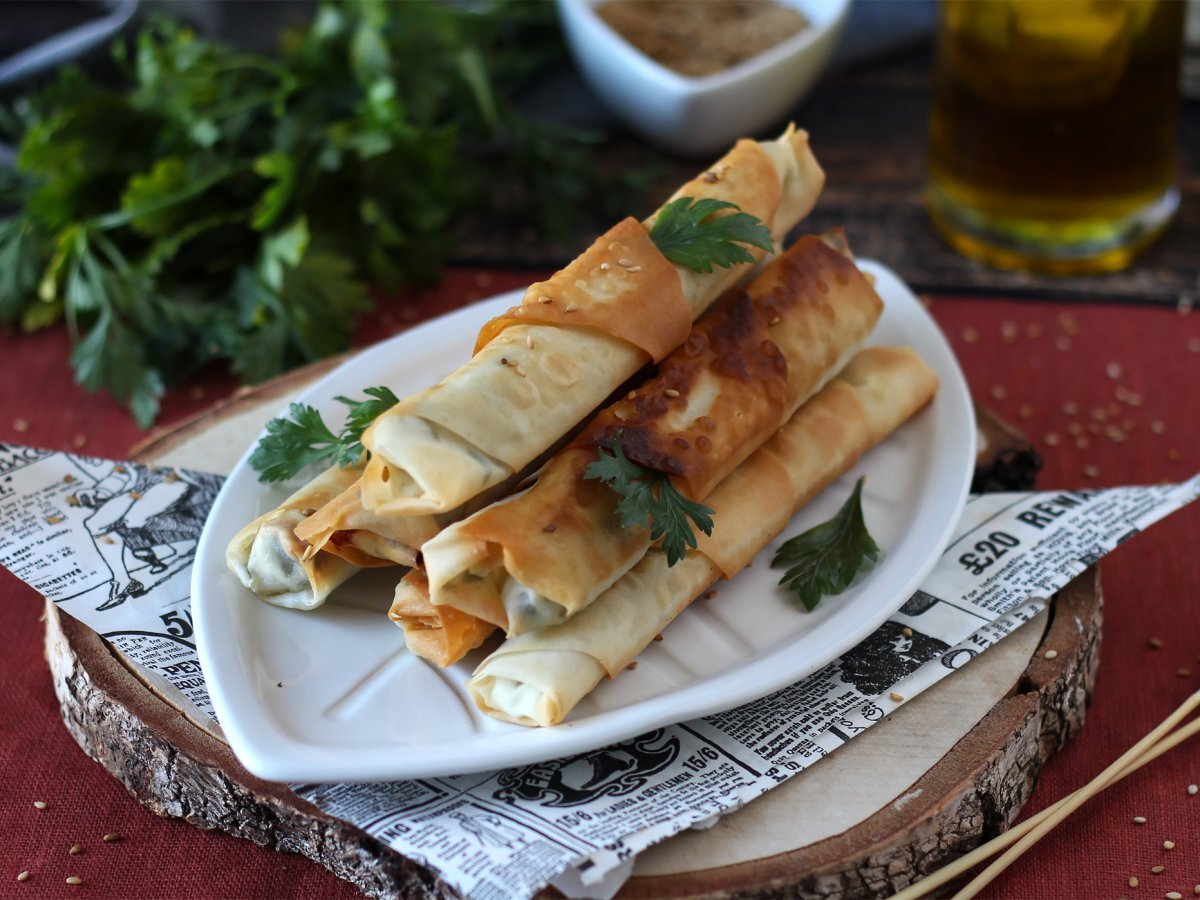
(113, 542)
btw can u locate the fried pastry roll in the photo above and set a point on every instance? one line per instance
(537, 678)
(543, 366)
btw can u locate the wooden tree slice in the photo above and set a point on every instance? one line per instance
(945, 772)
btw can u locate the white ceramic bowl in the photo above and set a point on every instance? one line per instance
(700, 116)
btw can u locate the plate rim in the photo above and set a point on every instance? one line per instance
(269, 753)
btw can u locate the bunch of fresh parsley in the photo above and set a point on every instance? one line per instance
(230, 206)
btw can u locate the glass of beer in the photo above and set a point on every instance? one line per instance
(1052, 135)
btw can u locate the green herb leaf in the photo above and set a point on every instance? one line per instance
(826, 559)
(362, 413)
(302, 438)
(689, 234)
(649, 500)
(219, 204)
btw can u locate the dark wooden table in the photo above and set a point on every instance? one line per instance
(868, 127)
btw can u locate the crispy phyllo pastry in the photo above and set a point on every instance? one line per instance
(537, 678)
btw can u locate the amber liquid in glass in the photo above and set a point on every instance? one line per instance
(1052, 135)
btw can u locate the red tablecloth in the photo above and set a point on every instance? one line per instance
(1030, 361)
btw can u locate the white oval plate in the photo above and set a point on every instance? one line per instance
(333, 695)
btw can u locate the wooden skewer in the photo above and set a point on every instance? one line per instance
(1156, 743)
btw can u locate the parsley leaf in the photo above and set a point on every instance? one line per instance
(362, 413)
(223, 205)
(688, 233)
(826, 559)
(302, 438)
(648, 499)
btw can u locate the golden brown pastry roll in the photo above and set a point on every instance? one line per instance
(540, 557)
(269, 559)
(543, 366)
(537, 678)
(440, 634)
(346, 528)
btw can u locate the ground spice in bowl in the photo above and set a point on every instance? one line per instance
(700, 38)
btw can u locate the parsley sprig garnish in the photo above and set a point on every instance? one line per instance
(648, 499)
(302, 438)
(826, 559)
(687, 233)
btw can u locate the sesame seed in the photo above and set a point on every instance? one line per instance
(1033, 330)
(1133, 882)
(1184, 306)
(20, 425)
(1051, 654)
(1113, 370)
(529, 341)
(774, 320)
(1193, 790)
(74, 879)
(632, 665)
(1075, 428)
(1158, 870)
(658, 637)
(112, 838)
(39, 804)
(23, 876)
(79, 440)
(1026, 411)
(570, 307)
(76, 850)
(896, 698)
(1062, 343)
(631, 395)
(970, 335)
(1174, 895)
(671, 392)
(53, 520)
(709, 177)
(1139, 820)
(625, 261)
(519, 371)
(551, 528)
(615, 245)
(1082, 442)
(1193, 345)
(1184, 673)
(709, 595)
(1168, 845)
(998, 392)
(1174, 455)
(544, 299)
(906, 631)
(1196, 890)
(635, 268)
(1052, 439)
(604, 267)
(1099, 414)
(1070, 408)
(1009, 332)
(1158, 427)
